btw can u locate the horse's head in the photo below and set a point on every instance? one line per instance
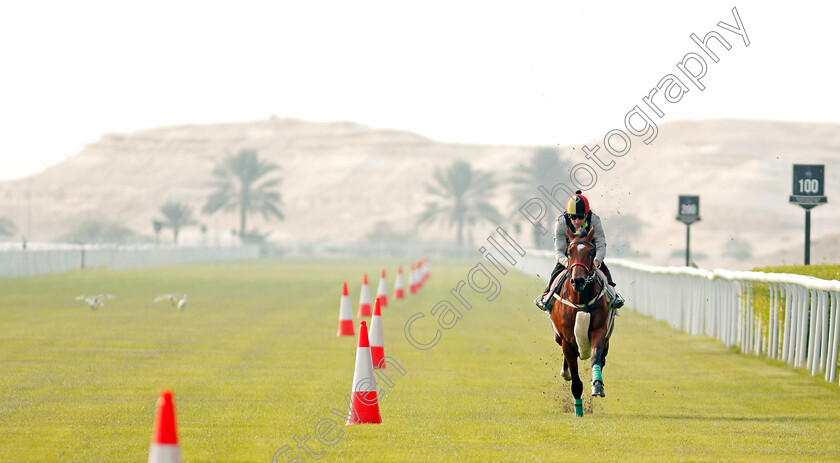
(581, 252)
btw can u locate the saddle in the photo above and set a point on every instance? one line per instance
(607, 290)
(599, 275)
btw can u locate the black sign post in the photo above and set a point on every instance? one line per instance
(688, 212)
(808, 192)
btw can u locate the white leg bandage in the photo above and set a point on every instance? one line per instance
(582, 334)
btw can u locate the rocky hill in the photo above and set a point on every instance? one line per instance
(340, 179)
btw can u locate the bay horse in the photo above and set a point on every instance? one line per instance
(582, 317)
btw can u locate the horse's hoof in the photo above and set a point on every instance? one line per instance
(566, 374)
(598, 389)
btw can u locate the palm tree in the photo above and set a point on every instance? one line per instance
(7, 227)
(176, 216)
(240, 186)
(157, 225)
(546, 168)
(461, 197)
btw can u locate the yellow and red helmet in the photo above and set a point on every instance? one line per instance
(577, 204)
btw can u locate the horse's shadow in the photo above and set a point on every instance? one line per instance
(739, 419)
(566, 403)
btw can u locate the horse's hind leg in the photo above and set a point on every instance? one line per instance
(564, 372)
(607, 340)
(599, 353)
(570, 352)
(604, 356)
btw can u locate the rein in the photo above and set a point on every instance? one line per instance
(582, 265)
(586, 305)
(590, 276)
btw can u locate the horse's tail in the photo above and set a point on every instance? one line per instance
(582, 334)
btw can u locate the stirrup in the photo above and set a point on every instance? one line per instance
(618, 301)
(542, 305)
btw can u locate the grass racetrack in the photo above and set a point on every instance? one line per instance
(254, 364)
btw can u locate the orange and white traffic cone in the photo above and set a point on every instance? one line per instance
(382, 290)
(165, 447)
(399, 286)
(345, 315)
(364, 299)
(412, 281)
(420, 279)
(364, 407)
(377, 341)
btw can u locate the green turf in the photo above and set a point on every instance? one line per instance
(254, 361)
(825, 272)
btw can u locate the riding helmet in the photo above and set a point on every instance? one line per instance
(577, 204)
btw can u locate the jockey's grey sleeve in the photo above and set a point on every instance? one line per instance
(560, 241)
(600, 239)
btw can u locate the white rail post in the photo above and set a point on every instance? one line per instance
(734, 310)
(780, 326)
(794, 323)
(813, 331)
(746, 324)
(831, 369)
(825, 334)
(792, 315)
(796, 335)
(718, 289)
(742, 318)
(724, 289)
(772, 332)
(802, 328)
(759, 324)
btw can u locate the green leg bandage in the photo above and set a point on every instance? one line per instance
(596, 373)
(578, 407)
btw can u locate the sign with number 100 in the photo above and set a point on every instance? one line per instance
(808, 180)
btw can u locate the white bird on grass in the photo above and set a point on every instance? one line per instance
(95, 301)
(177, 300)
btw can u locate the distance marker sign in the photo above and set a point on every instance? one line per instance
(808, 185)
(688, 212)
(808, 192)
(688, 209)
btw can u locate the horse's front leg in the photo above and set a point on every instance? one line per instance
(570, 352)
(564, 372)
(599, 350)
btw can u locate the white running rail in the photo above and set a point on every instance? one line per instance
(48, 259)
(792, 318)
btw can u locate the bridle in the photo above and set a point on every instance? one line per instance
(585, 306)
(590, 273)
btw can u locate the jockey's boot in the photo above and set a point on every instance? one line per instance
(618, 301)
(540, 302)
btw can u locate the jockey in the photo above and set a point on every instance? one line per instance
(578, 215)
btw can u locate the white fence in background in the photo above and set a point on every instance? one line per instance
(43, 260)
(792, 318)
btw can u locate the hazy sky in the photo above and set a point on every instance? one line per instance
(525, 73)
